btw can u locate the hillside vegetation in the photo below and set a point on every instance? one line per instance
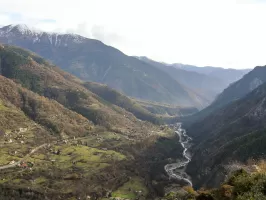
(232, 93)
(247, 182)
(236, 132)
(60, 140)
(49, 81)
(114, 97)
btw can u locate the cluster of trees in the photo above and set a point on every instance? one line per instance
(10, 62)
(116, 98)
(241, 185)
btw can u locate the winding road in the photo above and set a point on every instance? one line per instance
(184, 140)
(21, 160)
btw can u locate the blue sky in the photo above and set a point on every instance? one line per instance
(224, 33)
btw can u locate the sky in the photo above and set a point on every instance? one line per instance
(222, 33)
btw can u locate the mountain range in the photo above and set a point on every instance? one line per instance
(207, 83)
(98, 130)
(226, 75)
(91, 60)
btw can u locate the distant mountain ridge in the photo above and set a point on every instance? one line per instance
(91, 60)
(206, 81)
(227, 75)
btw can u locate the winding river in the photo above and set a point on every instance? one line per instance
(177, 170)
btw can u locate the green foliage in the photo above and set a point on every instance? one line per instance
(132, 189)
(250, 186)
(241, 185)
(39, 76)
(123, 101)
(239, 173)
(92, 158)
(27, 54)
(235, 132)
(10, 63)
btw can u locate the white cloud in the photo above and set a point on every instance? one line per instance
(224, 33)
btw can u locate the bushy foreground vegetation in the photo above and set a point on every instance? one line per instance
(247, 183)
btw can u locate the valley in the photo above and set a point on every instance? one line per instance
(184, 140)
(82, 120)
(58, 132)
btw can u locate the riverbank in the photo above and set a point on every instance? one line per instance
(177, 170)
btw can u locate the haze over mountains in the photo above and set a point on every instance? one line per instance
(91, 60)
(227, 75)
(106, 126)
(207, 81)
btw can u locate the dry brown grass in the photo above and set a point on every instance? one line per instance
(109, 115)
(48, 113)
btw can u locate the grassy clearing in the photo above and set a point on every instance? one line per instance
(109, 140)
(40, 180)
(88, 160)
(89, 154)
(2, 106)
(131, 189)
(7, 153)
(16, 180)
(47, 164)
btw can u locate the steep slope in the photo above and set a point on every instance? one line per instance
(35, 74)
(92, 60)
(205, 86)
(245, 181)
(233, 133)
(123, 101)
(148, 111)
(60, 140)
(235, 91)
(242, 87)
(226, 75)
(48, 145)
(39, 109)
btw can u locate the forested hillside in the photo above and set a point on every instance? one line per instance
(233, 133)
(61, 140)
(234, 92)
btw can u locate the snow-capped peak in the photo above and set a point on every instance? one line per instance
(21, 28)
(37, 35)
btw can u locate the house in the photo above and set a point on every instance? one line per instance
(26, 165)
(12, 162)
(23, 165)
